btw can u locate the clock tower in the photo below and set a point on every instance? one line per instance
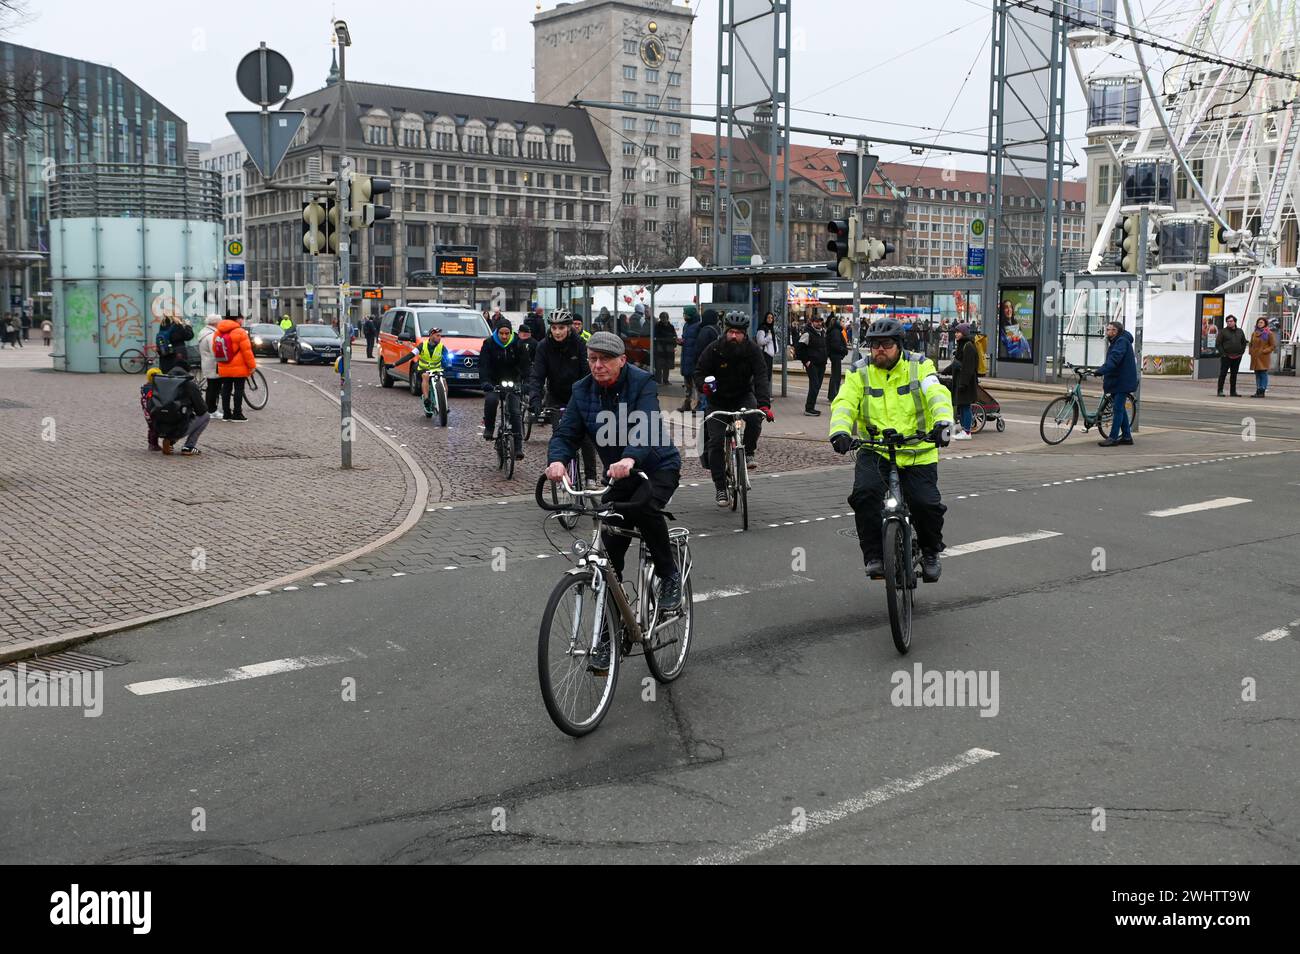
(635, 53)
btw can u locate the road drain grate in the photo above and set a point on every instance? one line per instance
(9, 404)
(67, 661)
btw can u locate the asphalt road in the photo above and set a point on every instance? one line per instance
(1122, 645)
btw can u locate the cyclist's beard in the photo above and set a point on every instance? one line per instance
(733, 350)
(886, 363)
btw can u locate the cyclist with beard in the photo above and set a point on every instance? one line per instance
(898, 390)
(736, 364)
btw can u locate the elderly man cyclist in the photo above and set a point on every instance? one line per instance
(618, 406)
(896, 390)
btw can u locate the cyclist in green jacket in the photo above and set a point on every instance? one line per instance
(430, 354)
(899, 390)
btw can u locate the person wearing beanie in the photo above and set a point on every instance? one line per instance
(690, 349)
(503, 357)
(965, 379)
(208, 362)
(146, 392)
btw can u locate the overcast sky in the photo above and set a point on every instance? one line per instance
(891, 71)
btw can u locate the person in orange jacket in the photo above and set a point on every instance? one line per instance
(235, 362)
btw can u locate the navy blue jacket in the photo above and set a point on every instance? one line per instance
(631, 411)
(690, 332)
(1119, 372)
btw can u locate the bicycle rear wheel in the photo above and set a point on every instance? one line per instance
(898, 595)
(1059, 418)
(528, 425)
(742, 485)
(255, 391)
(576, 693)
(1106, 414)
(670, 641)
(132, 361)
(441, 388)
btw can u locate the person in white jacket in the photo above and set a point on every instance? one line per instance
(208, 362)
(767, 340)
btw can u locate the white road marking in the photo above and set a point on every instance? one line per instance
(724, 592)
(845, 809)
(270, 668)
(1214, 504)
(1273, 635)
(994, 542)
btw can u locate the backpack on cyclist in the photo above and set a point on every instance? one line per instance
(223, 347)
(168, 407)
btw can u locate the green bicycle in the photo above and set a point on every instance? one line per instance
(1063, 413)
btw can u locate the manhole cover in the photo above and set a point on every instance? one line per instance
(9, 404)
(260, 452)
(848, 532)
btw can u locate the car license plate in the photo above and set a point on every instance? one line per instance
(469, 374)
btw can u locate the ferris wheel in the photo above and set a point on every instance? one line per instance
(1195, 101)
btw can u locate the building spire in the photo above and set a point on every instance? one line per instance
(333, 77)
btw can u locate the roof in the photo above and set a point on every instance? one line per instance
(819, 164)
(320, 106)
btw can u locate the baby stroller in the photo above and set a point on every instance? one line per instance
(985, 409)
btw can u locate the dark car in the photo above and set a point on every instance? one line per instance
(309, 343)
(265, 339)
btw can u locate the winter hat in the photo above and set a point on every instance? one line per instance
(606, 343)
(502, 322)
(690, 312)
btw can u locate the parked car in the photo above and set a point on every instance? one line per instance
(406, 326)
(265, 339)
(308, 343)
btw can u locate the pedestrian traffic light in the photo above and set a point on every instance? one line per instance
(874, 249)
(841, 246)
(315, 222)
(361, 189)
(1129, 244)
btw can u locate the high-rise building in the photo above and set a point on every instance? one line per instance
(636, 53)
(58, 112)
(226, 157)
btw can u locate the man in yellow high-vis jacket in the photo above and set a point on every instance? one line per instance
(899, 390)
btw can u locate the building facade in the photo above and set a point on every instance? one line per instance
(225, 156)
(526, 182)
(637, 53)
(57, 111)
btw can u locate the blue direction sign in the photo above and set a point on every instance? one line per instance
(234, 271)
(742, 248)
(974, 261)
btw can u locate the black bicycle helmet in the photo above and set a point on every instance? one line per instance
(885, 328)
(736, 319)
(559, 317)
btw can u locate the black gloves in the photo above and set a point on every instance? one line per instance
(941, 433)
(842, 443)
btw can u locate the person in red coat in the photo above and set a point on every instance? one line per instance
(235, 370)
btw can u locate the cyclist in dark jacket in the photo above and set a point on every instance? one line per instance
(561, 362)
(736, 364)
(502, 357)
(813, 351)
(618, 406)
(1119, 378)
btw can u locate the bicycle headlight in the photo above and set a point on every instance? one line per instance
(891, 503)
(579, 547)
(507, 384)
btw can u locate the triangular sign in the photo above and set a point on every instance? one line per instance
(266, 136)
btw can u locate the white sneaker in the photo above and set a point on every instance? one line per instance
(217, 415)
(961, 436)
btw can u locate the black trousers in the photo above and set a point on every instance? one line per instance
(715, 431)
(212, 393)
(490, 402)
(370, 346)
(815, 374)
(920, 484)
(661, 372)
(1229, 366)
(768, 360)
(232, 386)
(648, 519)
(837, 375)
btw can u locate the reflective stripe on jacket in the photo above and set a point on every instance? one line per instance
(908, 398)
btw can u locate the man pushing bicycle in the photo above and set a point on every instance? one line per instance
(895, 390)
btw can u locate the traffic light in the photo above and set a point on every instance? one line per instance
(1153, 249)
(361, 189)
(841, 246)
(320, 226)
(874, 249)
(1129, 244)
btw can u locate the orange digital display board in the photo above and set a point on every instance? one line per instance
(457, 266)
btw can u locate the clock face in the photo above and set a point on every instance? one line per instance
(653, 52)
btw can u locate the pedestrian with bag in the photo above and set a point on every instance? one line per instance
(1262, 344)
(177, 411)
(767, 342)
(1232, 345)
(208, 363)
(235, 362)
(965, 380)
(46, 330)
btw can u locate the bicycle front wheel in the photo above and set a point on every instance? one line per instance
(742, 486)
(897, 593)
(577, 656)
(256, 393)
(133, 361)
(569, 520)
(1059, 418)
(440, 388)
(670, 641)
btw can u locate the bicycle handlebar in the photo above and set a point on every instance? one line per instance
(542, 480)
(733, 414)
(1081, 372)
(892, 439)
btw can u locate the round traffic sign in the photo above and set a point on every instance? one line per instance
(977, 227)
(235, 247)
(279, 77)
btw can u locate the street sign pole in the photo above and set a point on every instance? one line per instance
(1144, 217)
(345, 231)
(858, 268)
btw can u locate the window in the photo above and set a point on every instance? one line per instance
(563, 152)
(673, 202)
(629, 124)
(837, 210)
(596, 183)
(675, 104)
(886, 217)
(629, 174)
(629, 46)
(629, 73)
(704, 203)
(501, 176)
(435, 171)
(416, 235)
(559, 210)
(445, 140)
(505, 147)
(651, 201)
(871, 215)
(674, 178)
(674, 79)
(482, 176)
(652, 150)
(629, 98)
(541, 180)
(535, 148)
(451, 203)
(675, 54)
(568, 182)
(512, 178)
(652, 100)
(437, 203)
(501, 206)
(652, 125)
(629, 148)
(697, 173)
(674, 152)
(629, 198)
(651, 76)
(706, 234)
(651, 225)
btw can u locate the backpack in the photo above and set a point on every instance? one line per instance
(223, 346)
(168, 407)
(164, 341)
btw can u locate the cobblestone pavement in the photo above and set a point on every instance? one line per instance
(95, 528)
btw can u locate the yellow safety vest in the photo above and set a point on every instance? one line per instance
(907, 398)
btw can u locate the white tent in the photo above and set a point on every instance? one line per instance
(670, 298)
